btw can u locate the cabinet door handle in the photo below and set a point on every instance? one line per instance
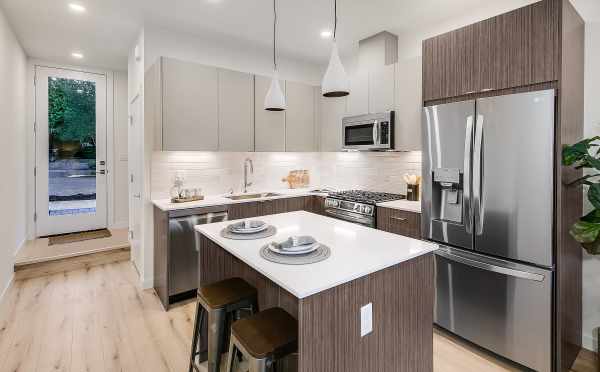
(400, 219)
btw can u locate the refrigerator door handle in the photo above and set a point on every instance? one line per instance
(467, 174)
(490, 267)
(478, 175)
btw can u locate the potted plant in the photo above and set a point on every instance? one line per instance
(586, 155)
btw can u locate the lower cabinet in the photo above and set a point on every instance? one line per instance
(266, 207)
(399, 222)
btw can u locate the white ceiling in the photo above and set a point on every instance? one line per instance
(106, 31)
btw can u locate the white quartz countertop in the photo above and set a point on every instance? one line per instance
(403, 205)
(211, 200)
(356, 251)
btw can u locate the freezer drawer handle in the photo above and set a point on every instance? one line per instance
(492, 268)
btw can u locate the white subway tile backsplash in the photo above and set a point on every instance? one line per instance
(217, 172)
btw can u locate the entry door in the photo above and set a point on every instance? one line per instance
(135, 153)
(71, 192)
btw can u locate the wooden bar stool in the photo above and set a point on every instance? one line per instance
(222, 301)
(264, 339)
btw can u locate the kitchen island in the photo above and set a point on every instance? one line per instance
(366, 266)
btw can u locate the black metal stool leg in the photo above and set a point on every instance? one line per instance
(198, 324)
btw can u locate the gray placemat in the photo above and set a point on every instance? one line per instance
(270, 231)
(320, 254)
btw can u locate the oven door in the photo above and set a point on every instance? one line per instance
(361, 135)
(351, 217)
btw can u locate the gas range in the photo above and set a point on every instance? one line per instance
(357, 206)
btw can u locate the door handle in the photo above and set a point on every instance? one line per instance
(467, 174)
(478, 175)
(490, 267)
(101, 171)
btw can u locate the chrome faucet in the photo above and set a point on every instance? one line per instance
(247, 162)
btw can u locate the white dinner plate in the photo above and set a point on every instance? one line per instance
(296, 250)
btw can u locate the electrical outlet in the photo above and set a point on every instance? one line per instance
(366, 319)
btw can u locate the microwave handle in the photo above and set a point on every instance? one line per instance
(376, 132)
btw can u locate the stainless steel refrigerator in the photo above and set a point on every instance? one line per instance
(488, 174)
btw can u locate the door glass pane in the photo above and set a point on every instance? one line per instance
(72, 146)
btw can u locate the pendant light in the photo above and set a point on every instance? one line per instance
(335, 82)
(275, 100)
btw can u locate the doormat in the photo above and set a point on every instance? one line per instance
(78, 236)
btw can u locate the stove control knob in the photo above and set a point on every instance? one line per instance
(367, 209)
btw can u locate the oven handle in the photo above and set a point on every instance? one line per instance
(376, 132)
(345, 216)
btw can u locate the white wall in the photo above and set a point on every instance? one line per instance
(591, 264)
(13, 74)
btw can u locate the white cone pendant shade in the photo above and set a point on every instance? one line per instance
(275, 100)
(335, 82)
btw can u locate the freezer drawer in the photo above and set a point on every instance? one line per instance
(499, 305)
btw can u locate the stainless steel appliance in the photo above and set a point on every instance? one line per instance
(357, 206)
(368, 132)
(183, 250)
(488, 174)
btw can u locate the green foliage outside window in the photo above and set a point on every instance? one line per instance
(72, 111)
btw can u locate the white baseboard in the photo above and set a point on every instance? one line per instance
(20, 247)
(588, 342)
(148, 283)
(5, 289)
(119, 225)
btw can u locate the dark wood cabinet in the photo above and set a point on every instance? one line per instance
(243, 210)
(266, 207)
(516, 49)
(399, 222)
(317, 205)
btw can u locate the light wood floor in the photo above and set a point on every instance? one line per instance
(99, 319)
(38, 250)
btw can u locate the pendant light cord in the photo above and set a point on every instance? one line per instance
(334, 18)
(274, 35)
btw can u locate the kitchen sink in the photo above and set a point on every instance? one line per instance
(252, 196)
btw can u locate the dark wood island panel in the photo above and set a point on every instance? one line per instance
(329, 321)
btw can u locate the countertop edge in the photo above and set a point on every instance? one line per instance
(303, 295)
(165, 205)
(402, 206)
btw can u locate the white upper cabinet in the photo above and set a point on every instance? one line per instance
(269, 126)
(236, 111)
(372, 90)
(300, 131)
(382, 83)
(408, 105)
(190, 107)
(331, 113)
(358, 100)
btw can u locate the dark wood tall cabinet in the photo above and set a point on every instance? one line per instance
(516, 49)
(540, 46)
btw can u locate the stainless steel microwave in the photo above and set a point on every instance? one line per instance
(373, 132)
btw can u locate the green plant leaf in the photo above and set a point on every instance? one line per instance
(593, 247)
(594, 195)
(578, 151)
(593, 216)
(585, 232)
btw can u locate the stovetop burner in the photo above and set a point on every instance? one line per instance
(366, 197)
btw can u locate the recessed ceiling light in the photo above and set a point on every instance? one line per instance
(77, 8)
(326, 34)
(77, 55)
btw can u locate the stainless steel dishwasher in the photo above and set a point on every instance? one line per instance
(183, 250)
